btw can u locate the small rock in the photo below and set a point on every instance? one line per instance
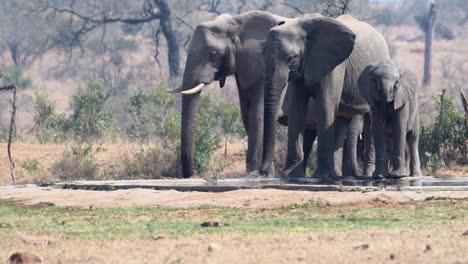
(24, 258)
(428, 248)
(361, 245)
(158, 237)
(214, 246)
(392, 257)
(209, 224)
(465, 233)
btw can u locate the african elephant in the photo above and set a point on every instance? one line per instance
(346, 131)
(391, 92)
(323, 57)
(228, 45)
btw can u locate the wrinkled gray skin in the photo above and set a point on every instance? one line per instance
(392, 94)
(360, 162)
(228, 45)
(323, 57)
(346, 129)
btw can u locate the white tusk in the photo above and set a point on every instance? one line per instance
(174, 90)
(195, 89)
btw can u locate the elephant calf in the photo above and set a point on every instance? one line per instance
(391, 91)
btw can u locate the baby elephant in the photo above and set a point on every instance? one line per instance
(391, 91)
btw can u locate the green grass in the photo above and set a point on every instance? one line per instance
(109, 224)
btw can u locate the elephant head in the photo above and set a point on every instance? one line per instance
(309, 47)
(211, 57)
(385, 83)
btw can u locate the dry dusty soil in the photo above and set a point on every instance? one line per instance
(438, 243)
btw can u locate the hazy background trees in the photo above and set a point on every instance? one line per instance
(74, 58)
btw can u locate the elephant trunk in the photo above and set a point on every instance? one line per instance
(187, 152)
(355, 129)
(275, 81)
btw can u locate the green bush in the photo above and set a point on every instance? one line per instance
(76, 164)
(207, 137)
(149, 164)
(31, 166)
(231, 125)
(49, 126)
(153, 114)
(92, 116)
(446, 140)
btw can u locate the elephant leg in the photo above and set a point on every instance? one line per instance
(341, 130)
(413, 143)
(245, 107)
(399, 131)
(369, 147)
(407, 155)
(378, 131)
(354, 130)
(309, 138)
(328, 99)
(296, 126)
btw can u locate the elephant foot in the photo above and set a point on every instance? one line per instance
(379, 175)
(294, 173)
(369, 171)
(324, 174)
(417, 173)
(397, 174)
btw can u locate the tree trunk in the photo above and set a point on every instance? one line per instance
(430, 23)
(172, 44)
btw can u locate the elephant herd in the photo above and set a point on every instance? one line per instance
(322, 77)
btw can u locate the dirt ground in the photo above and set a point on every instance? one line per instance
(423, 246)
(250, 198)
(441, 244)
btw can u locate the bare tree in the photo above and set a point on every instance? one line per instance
(85, 16)
(24, 34)
(429, 31)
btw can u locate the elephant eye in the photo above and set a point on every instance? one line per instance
(214, 54)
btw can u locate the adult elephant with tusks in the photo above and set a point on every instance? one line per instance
(228, 45)
(323, 57)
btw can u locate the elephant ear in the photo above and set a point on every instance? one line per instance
(367, 84)
(408, 88)
(329, 43)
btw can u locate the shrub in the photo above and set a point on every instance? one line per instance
(231, 125)
(446, 140)
(149, 164)
(92, 116)
(207, 137)
(153, 114)
(31, 166)
(49, 126)
(76, 164)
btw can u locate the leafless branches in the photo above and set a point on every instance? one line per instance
(89, 16)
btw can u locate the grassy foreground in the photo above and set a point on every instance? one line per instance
(148, 223)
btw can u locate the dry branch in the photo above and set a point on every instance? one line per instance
(12, 125)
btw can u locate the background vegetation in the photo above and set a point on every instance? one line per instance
(92, 72)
